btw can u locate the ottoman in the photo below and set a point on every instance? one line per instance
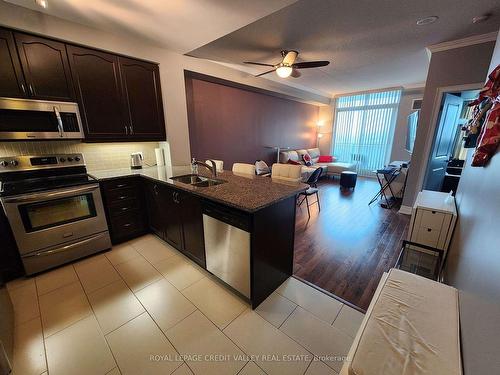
(348, 179)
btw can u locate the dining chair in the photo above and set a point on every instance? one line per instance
(312, 181)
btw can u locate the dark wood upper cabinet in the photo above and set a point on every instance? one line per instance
(96, 76)
(143, 102)
(11, 76)
(45, 67)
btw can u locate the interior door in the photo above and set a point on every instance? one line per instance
(143, 103)
(45, 66)
(443, 145)
(97, 79)
(11, 76)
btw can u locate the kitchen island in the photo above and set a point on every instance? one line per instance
(241, 229)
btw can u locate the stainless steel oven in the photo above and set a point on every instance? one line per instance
(38, 119)
(58, 218)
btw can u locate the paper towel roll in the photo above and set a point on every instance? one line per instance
(160, 157)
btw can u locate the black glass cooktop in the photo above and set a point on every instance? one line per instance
(29, 185)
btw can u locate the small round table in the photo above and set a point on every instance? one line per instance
(348, 179)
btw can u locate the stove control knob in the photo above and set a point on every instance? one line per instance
(62, 160)
(77, 158)
(4, 163)
(70, 159)
(14, 163)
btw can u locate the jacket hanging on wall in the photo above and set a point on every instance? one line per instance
(489, 135)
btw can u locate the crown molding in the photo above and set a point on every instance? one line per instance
(469, 41)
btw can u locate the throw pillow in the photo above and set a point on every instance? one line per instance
(307, 159)
(293, 162)
(326, 159)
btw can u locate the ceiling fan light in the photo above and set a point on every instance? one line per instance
(284, 71)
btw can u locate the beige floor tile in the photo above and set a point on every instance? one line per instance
(63, 307)
(154, 249)
(349, 320)
(17, 283)
(219, 304)
(79, 349)
(179, 271)
(25, 302)
(121, 253)
(251, 369)
(96, 272)
(51, 280)
(138, 273)
(29, 351)
(197, 336)
(311, 299)
(275, 352)
(141, 348)
(319, 368)
(275, 309)
(166, 304)
(183, 370)
(318, 337)
(114, 305)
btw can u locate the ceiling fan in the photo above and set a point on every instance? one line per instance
(288, 67)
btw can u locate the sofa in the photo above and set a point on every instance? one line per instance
(334, 168)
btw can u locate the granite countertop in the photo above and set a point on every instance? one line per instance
(245, 192)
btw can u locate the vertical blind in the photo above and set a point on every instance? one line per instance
(364, 129)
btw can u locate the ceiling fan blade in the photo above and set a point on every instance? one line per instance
(310, 64)
(269, 71)
(290, 57)
(295, 73)
(257, 63)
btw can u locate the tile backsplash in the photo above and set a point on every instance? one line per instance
(98, 156)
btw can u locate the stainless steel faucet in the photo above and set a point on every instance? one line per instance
(212, 169)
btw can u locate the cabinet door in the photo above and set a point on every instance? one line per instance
(192, 225)
(11, 76)
(155, 207)
(143, 103)
(173, 221)
(96, 76)
(45, 66)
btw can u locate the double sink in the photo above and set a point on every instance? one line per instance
(197, 180)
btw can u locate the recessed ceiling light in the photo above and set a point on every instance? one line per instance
(42, 3)
(427, 20)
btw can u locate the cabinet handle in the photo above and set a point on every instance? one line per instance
(131, 129)
(30, 87)
(429, 230)
(126, 130)
(122, 197)
(127, 225)
(155, 189)
(23, 88)
(433, 212)
(120, 185)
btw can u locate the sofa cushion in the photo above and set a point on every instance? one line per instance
(339, 167)
(314, 152)
(293, 162)
(326, 159)
(411, 327)
(290, 155)
(307, 160)
(287, 172)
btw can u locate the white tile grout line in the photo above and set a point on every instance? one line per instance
(41, 326)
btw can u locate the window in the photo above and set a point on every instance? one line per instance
(364, 129)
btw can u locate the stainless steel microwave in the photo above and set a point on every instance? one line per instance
(24, 119)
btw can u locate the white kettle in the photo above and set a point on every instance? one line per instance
(136, 160)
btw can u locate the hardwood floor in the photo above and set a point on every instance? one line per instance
(345, 248)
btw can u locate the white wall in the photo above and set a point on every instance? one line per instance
(172, 66)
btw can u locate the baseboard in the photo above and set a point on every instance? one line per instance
(405, 210)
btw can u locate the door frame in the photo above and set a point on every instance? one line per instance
(436, 109)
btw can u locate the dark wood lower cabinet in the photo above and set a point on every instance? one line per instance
(125, 208)
(11, 265)
(176, 217)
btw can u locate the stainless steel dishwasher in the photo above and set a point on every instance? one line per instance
(227, 246)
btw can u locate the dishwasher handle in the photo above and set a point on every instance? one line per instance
(229, 216)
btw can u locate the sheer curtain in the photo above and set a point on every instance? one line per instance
(364, 129)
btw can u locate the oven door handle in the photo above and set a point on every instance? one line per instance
(66, 247)
(52, 195)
